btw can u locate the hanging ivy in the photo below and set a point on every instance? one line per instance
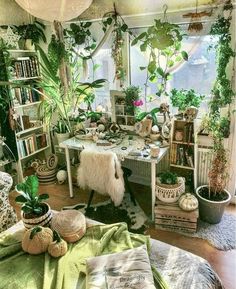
(118, 32)
(222, 95)
(222, 91)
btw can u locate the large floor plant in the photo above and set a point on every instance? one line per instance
(215, 195)
(56, 99)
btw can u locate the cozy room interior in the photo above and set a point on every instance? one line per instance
(117, 144)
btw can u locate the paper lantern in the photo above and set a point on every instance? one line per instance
(60, 10)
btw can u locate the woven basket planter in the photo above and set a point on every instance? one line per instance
(170, 193)
(44, 220)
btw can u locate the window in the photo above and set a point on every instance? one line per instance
(198, 72)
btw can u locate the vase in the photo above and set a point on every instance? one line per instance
(28, 45)
(211, 211)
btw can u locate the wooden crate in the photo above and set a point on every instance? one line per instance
(171, 217)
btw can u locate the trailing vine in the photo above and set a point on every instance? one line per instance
(222, 91)
(222, 95)
(118, 31)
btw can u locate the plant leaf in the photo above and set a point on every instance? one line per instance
(184, 55)
(43, 197)
(124, 27)
(21, 199)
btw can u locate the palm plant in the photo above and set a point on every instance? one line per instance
(56, 98)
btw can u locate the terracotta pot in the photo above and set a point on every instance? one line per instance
(44, 220)
(211, 211)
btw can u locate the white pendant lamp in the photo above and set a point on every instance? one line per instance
(60, 10)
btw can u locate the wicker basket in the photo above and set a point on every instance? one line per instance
(170, 193)
(44, 220)
(70, 224)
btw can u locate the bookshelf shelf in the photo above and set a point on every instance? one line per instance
(34, 153)
(22, 79)
(182, 167)
(27, 104)
(28, 130)
(184, 143)
(25, 78)
(183, 154)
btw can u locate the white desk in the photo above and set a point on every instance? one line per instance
(136, 143)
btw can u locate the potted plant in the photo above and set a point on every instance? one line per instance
(61, 131)
(35, 212)
(169, 187)
(214, 197)
(31, 34)
(132, 99)
(184, 99)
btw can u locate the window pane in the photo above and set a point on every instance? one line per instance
(198, 72)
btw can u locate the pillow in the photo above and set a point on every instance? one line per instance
(127, 269)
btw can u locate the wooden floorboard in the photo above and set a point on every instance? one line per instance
(223, 262)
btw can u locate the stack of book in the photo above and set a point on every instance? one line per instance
(25, 67)
(171, 217)
(181, 155)
(24, 95)
(32, 143)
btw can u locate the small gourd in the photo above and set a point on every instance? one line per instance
(36, 240)
(188, 202)
(58, 247)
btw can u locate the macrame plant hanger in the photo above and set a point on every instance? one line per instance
(195, 24)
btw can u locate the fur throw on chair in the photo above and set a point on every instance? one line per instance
(101, 172)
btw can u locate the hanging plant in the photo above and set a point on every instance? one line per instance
(118, 32)
(163, 43)
(81, 36)
(56, 52)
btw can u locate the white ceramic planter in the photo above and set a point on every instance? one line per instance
(211, 211)
(62, 136)
(170, 193)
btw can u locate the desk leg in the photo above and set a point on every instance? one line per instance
(69, 172)
(153, 186)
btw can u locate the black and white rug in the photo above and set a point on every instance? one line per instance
(107, 213)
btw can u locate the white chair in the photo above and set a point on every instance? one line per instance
(101, 172)
(7, 214)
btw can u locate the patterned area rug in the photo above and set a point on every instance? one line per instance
(107, 213)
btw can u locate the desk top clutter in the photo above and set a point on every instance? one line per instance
(126, 148)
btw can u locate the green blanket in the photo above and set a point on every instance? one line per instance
(21, 270)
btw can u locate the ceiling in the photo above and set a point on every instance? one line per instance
(99, 7)
(129, 7)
